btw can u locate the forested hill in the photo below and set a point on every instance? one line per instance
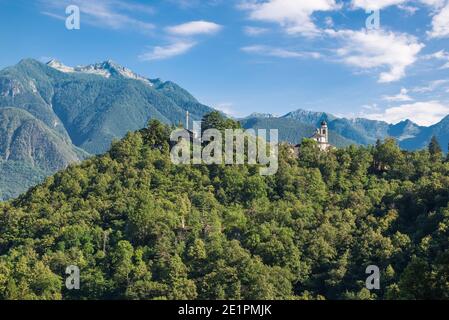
(139, 227)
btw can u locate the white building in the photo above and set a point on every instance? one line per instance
(322, 137)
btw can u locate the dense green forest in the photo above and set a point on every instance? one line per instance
(140, 227)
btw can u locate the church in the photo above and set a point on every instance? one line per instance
(322, 136)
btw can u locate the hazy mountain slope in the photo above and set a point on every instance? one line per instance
(29, 151)
(96, 111)
(29, 86)
(405, 130)
(345, 128)
(309, 117)
(441, 131)
(422, 139)
(361, 131)
(17, 177)
(301, 123)
(25, 138)
(181, 97)
(366, 131)
(291, 130)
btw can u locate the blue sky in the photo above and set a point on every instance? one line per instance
(244, 56)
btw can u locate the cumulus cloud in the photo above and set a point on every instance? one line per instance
(194, 28)
(169, 51)
(294, 16)
(378, 49)
(279, 52)
(401, 96)
(440, 23)
(183, 43)
(376, 4)
(423, 113)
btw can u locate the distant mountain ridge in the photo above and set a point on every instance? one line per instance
(106, 69)
(301, 123)
(422, 137)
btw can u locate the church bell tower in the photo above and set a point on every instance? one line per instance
(324, 131)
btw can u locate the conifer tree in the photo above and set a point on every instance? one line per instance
(435, 148)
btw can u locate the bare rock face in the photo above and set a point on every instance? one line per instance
(10, 87)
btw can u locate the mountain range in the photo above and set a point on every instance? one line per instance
(52, 115)
(343, 131)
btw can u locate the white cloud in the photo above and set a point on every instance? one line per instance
(113, 14)
(182, 45)
(293, 15)
(376, 4)
(279, 52)
(442, 54)
(410, 10)
(169, 51)
(400, 97)
(188, 4)
(194, 28)
(227, 108)
(255, 31)
(378, 49)
(54, 15)
(423, 113)
(382, 4)
(440, 8)
(434, 3)
(439, 55)
(433, 85)
(440, 24)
